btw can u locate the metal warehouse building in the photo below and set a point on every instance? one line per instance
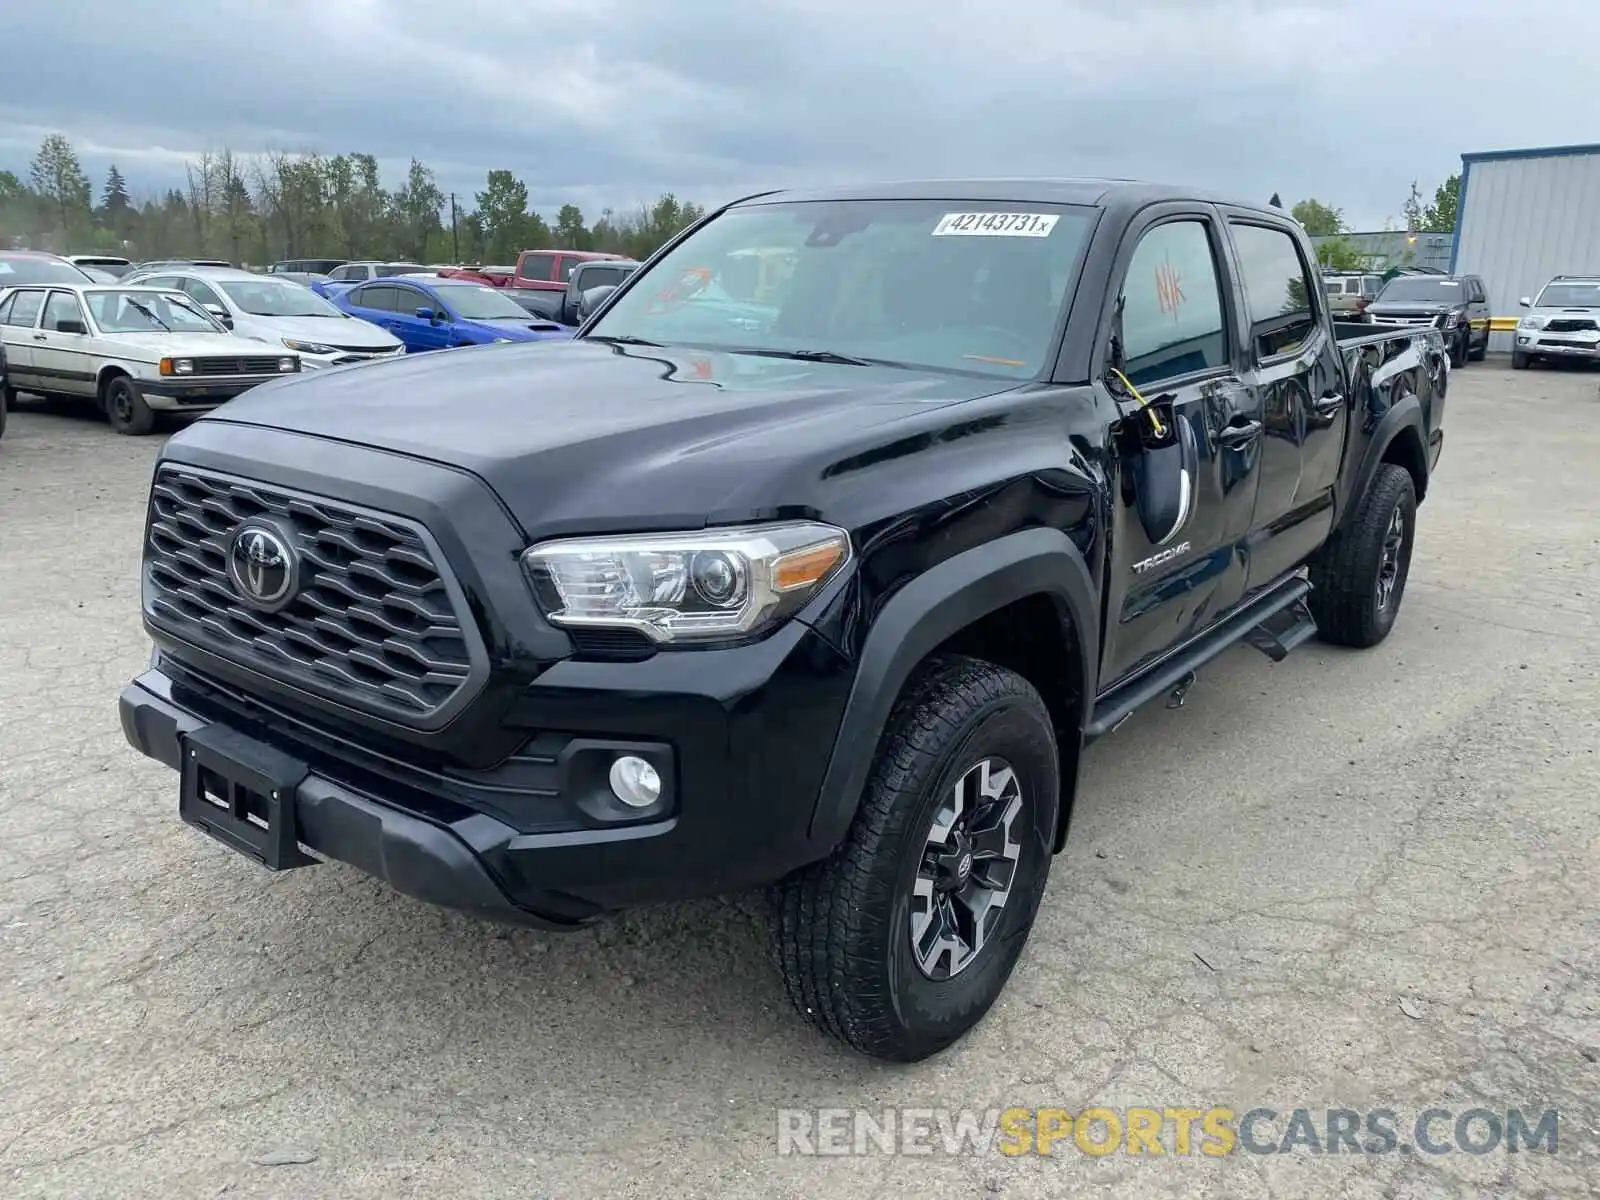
(1523, 216)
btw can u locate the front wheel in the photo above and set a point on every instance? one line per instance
(899, 942)
(1482, 352)
(1519, 361)
(1359, 578)
(1458, 350)
(126, 410)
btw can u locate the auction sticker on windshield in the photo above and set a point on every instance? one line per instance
(993, 224)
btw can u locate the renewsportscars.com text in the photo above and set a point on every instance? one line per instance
(1178, 1131)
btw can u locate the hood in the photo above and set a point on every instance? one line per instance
(520, 329)
(348, 333)
(189, 345)
(581, 435)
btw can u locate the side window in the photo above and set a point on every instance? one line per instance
(1281, 302)
(1479, 296)
(25, 308)
(62, 306)
(536, 266)
(5, 309)
(383, 298)
(408, 300)
(1172, 305)
(601, 277)
(567, 267)
(365, 297)
(201, 292)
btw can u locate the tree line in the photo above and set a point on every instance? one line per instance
(273, 205)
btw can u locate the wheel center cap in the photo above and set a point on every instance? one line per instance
(964, 867)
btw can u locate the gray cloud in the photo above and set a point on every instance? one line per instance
(613, 101)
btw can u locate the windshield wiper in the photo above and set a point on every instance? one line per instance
(821, 356)
(621, 339)
(140, 306)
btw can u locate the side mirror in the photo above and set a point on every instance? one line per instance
(71, 326)
(1525, 302)
(221, 314)
(593, 298)
(424, 313)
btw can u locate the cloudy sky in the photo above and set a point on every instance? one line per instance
(613, 101)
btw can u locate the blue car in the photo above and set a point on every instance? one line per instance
(438, 314)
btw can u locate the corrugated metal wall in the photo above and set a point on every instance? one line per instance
(1525, 218)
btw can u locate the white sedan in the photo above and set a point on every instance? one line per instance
(134, 351)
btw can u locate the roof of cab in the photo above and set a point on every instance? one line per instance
(1127, 194)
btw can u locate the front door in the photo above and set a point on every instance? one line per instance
(1295, 368)
(61, 358)
(1178, 345)
(419, 333)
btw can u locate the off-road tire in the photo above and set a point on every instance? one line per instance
(1519, 361)
(841, 928)
(126, 411)
(1345, 573)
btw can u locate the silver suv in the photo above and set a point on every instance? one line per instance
(1564, 322)
(1349, 293)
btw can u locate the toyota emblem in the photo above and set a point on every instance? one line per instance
(262, 567)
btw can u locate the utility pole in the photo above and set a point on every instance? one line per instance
(455, 240)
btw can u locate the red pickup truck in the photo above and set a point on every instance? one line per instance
(549, 270)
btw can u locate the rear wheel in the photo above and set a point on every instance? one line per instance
(126, 411)
(1359, 578)
(898, 943)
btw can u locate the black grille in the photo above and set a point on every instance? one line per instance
(1569, 325)
(235, 366)
(373, 625)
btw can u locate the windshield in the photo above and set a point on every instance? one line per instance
(474, 302)
(1570, 295)
(19, 269)
(1423, 288)
(972, 288)
(149, 311)
(276, 298)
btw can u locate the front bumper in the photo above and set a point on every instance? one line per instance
(199, 392)
(543, 843)
(1557, 345)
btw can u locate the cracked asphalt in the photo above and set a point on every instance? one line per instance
(1354, 879)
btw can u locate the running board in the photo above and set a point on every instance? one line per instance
(1285, 601)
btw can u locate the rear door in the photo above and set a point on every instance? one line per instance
(19, 315)
(61, 353)
(1179, 344)
(1295, 368)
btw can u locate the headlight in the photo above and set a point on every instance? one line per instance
(177, 366)
(1451, 320)
(288, 363)
(1531, 323)
(678, 587)
(309, 347)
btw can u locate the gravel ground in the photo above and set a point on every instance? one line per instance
(1362, 880)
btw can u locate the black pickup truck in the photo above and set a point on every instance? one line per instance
(823, 594)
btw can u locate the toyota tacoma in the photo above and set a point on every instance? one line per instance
(822, 594)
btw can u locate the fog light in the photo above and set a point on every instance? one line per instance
(635, 782)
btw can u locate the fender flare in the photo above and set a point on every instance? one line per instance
(925, 613)
(1405, 415)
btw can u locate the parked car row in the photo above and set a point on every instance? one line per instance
(183, 336)
(1456, 305)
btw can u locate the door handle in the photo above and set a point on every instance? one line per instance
(39, 337)
(1239, 433)
(1329, 404)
